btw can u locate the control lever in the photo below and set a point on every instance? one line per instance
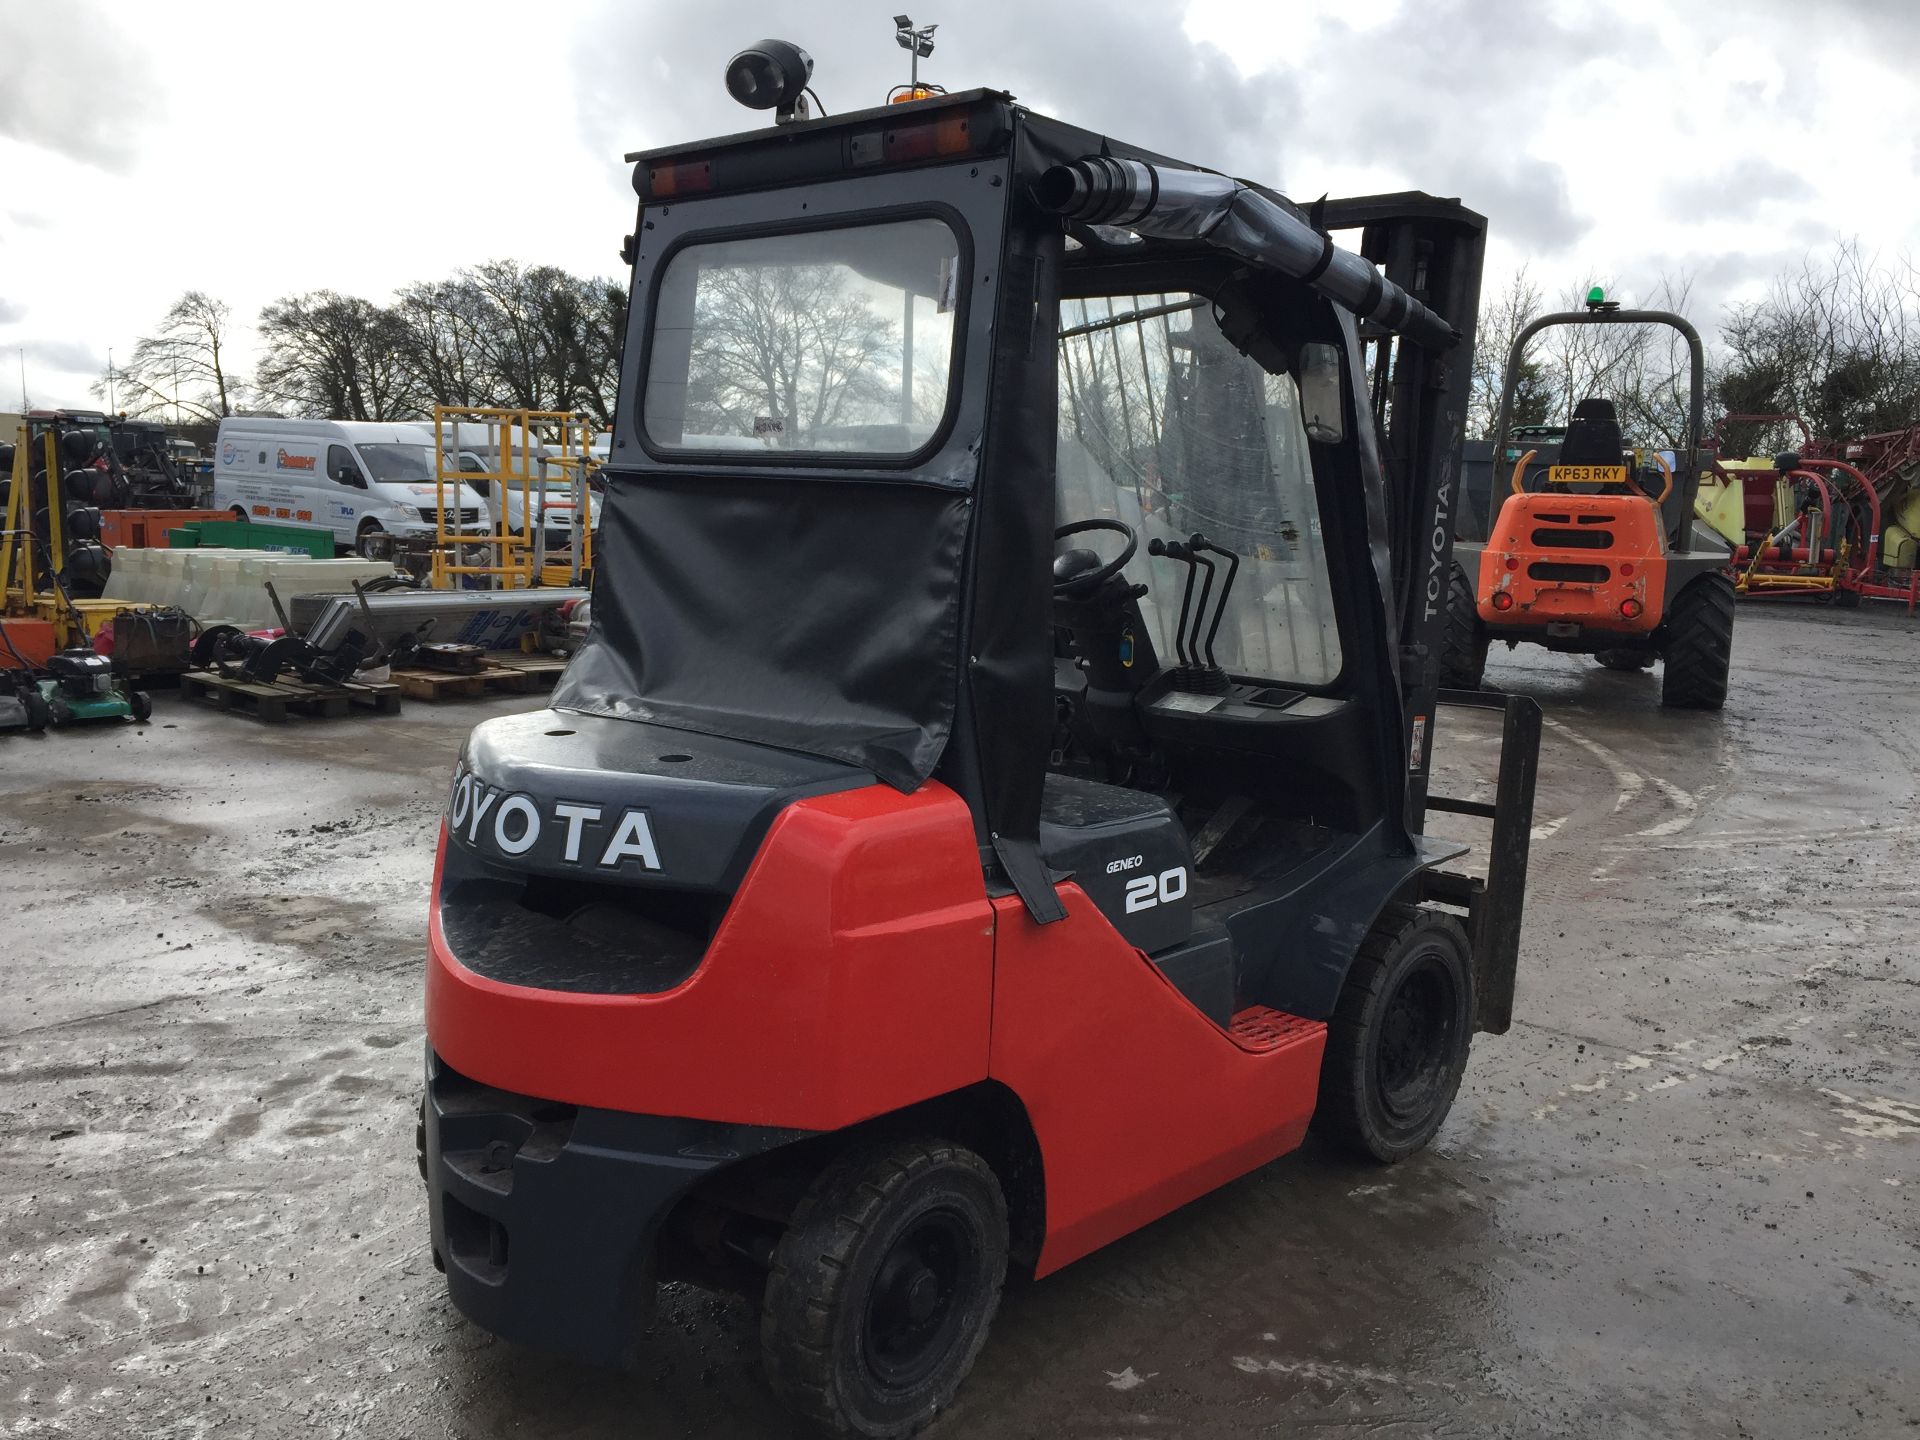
(1200, 542)
(1200, 607)
(1197, 670)
(1174, 550)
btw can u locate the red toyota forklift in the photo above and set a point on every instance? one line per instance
(989, 810)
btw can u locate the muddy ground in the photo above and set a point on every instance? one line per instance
(1681, 1198)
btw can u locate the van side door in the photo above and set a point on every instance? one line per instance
(345, 493)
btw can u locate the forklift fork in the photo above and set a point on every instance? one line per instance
(1494, 905)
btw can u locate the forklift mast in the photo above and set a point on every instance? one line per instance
(1433, 249)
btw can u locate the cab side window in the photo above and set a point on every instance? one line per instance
(343, 467)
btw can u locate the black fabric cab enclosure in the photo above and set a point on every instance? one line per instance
(803, 646)
(805, 594)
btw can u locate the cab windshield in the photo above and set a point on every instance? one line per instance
(1165, 426)
(386, 461)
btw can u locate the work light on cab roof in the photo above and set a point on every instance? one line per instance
(771, 75)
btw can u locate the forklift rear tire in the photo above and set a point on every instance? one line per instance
(1463, 644)
(1626, 659)
(883, 1286)
(1699, 649)
(1397, 1043)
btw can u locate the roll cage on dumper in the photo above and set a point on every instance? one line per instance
(887, 904)
(1597, 552)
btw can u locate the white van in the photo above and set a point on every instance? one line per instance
(357, 477)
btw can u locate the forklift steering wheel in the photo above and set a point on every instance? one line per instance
(1087, 581)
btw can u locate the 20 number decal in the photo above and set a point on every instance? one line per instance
(1162, 889)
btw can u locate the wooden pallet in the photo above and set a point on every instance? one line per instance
(288, 697)
(504, 674)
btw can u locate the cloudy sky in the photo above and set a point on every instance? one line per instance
(259, 150)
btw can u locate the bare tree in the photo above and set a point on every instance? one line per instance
(791, 344)
(1503, 315)
(441, 322)
(1653, 382)
(501, 335)
(181, 367)
(1836, 342)
(1582, 361)
(339, 357)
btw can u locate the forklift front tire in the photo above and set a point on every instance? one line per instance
(883, 1286)
(1397, 1042)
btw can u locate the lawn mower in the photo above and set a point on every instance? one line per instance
(989, 807)
(22, 706)
(1600, 553)
(74, 687)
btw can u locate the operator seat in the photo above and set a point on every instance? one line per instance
(1593, 435)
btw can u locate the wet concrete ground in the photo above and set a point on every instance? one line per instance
(1681, 1198)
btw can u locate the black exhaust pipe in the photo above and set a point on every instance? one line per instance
(1216, 210)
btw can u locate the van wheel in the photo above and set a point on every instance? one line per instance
(239, 513)
(1398, 1038)
(364, 543)
(883, 1286)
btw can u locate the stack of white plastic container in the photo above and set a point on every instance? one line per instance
(229, 587)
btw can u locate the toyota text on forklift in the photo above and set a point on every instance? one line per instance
(989, 811)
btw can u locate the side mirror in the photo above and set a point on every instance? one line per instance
(348, 475)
